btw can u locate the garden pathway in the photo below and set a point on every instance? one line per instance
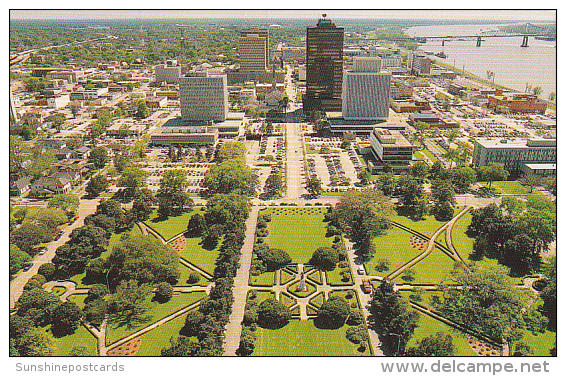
(234, 326)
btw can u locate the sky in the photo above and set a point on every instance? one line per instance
(480, 15)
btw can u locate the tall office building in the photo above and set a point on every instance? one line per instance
(366, 90)
(254, 50)
(325, 55)
(204, 98)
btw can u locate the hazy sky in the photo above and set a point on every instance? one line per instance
(518, 15)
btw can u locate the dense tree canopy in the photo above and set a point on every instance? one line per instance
(230, 177)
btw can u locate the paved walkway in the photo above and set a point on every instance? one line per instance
(240, 290)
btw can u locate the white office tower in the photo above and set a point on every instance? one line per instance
(204, 98)
(365, 94)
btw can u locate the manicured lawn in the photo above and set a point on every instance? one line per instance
(81, 337)
(426, 226)
(157, 339)
(393, 246)
(302, 338)
(262, 295)
(58, 290)
(298, 231)
(264, 279)
(78, 299)
(460, 240)
(508, 187)
(432, 269)
(540, 343)
(334, 278)
(156, 312)
(197, 255)
(428, 326)
(182, 281)
(172, 225)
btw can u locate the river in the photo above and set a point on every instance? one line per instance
(514, 66)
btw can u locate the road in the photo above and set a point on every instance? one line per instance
(295, 179)
(86, 208)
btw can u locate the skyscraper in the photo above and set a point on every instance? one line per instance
(325, 54)
(254, 50)
(366, 90)
(204, 98)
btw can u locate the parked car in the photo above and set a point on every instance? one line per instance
(42, 251)
(366, 286)
(361, 270)
(27, 266)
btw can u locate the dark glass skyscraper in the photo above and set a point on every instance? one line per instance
(325, 56)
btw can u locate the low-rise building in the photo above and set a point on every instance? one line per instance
(166, 73)
(518, 102)
(167, 136)
(514, 154)
(390, 148)
(49, 186)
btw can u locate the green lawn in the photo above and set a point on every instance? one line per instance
(262, 295)
(264, 279)
(182, 281)
(81, 337)
(58, 290)
(157, 339)
(431, 156)
(172, 225)
(511, 187)
(428, 326)
(540, 343)
(298, 231)
(197, 255)
(78, 299)
(156, 311)
(432, 269)
(334, 278)
(302, 338)
(393, 246)
(426, 226)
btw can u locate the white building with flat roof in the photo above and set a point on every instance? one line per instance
(204, 98)
(366, 90)
(514, 154)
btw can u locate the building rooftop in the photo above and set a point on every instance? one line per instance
(516, 144)
(391, 138)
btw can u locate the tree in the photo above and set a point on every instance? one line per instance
(37, 304)
(346, 143)
(48, 217)
(99, 157)
(272, 314)
(97, 184)
(121, 161)
(226, 210)
(411, 196)
(47, 270)
(29, 235)
(274, 259)
(463, 177)
(420, 170)
(333, 313)
(362, 216)
(324, 258)
(65, 319)
(196, 225)
(18, 259)
(163, 292)
(67, 202)
(95, 311)
(537, 90)
(314, 186)
(141, 109)
(231, 151)
(443, 197)
(128, 305)
(171, 195)
(530, 181)
(365, 177)
(230, 177)
(438, 344)
(37, 342)
(548, 294)
(392, 319)
(144, 259)
(492, 172)
(420, 127)
(133, 179)
(488, 302)
(387, 183)
(512, 205)
(192, 323)
(181, 346)
(452, 155)
(273, 186)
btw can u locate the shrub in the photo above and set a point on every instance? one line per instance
(163, 292)
(247, 342)
(408, 275)
(333, 313)
(352, 335)
(193, 278)
(356, 317)
(382, 265)
(324, 258)
(47, 270)
(273, 314)
(262, 232)
(192, 323)
(342, 264)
